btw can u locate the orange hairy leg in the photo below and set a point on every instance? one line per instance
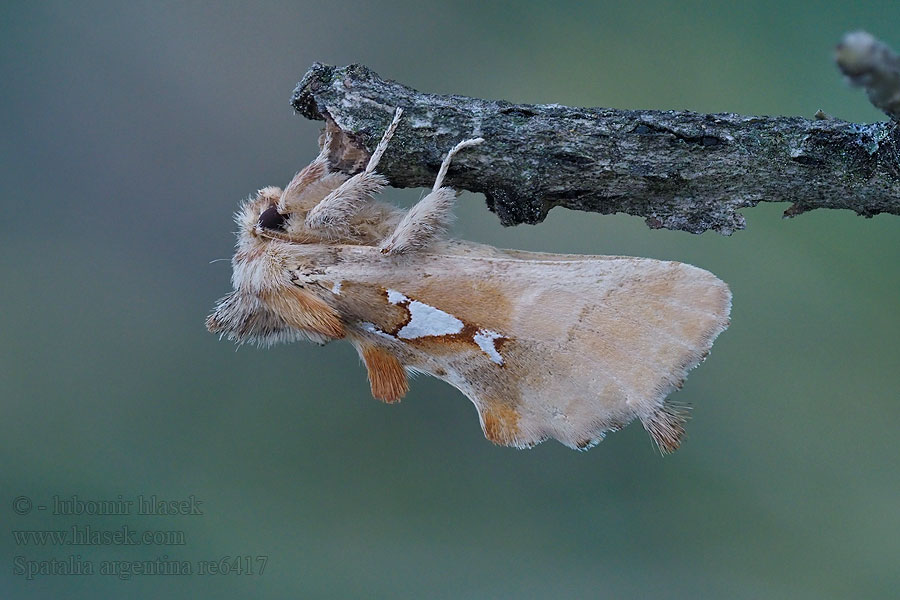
(386, 375)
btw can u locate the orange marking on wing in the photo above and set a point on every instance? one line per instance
(501, 424)
(443, 344)
(369, 303)
(452, 343)
(386, 375)
(479, 301)
(303, 310)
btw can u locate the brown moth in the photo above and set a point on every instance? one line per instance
(545, 345)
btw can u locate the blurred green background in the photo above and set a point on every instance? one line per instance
(132, 130)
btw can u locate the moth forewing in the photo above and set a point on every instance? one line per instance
(546, 346)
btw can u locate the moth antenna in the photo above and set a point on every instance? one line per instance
(430, 216)
(382, 145)
(445, 166)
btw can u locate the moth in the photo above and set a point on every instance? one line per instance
(557, 346)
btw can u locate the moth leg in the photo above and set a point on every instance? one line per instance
(313, 182)
(386, 375)
(430, 217)
(337, 208)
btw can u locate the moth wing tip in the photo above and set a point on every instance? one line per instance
(666, 426)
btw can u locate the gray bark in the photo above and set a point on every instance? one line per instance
(677, 169)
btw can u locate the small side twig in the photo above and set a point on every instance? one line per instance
(871, 64)
(677, 169)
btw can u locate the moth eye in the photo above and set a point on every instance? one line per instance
(272, 219)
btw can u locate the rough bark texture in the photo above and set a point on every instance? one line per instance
(677, 169)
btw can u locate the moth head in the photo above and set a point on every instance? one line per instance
(269, 216)
(260, 214)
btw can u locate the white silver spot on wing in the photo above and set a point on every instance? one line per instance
(485, 340)
(428, 321)
(395, 297)
(424, 320)
(336, 288)
(371, 328)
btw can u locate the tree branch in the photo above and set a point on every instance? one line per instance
(677, 169)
